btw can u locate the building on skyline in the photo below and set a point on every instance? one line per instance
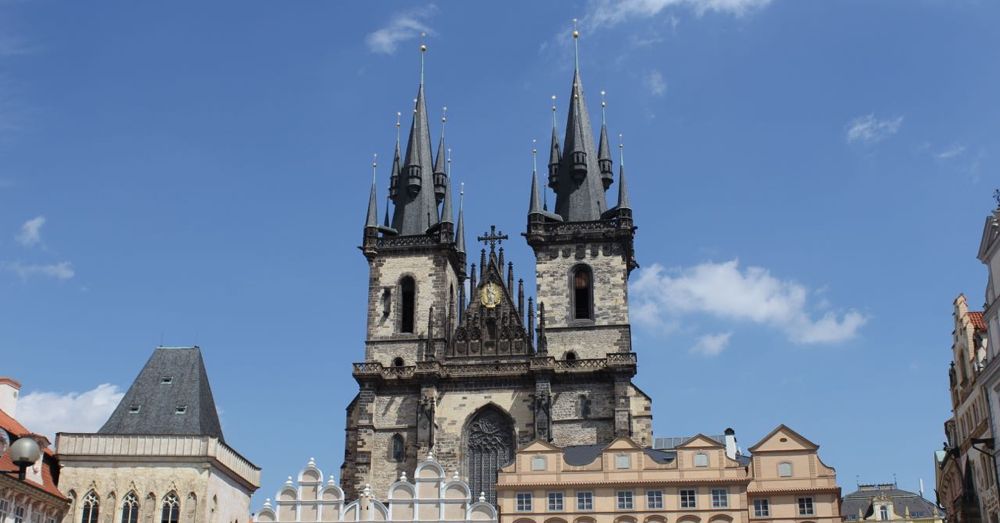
(989, 255)
(161, 455)
(430, 496)
(887, 502)
(965, 472)
(474, 378)
(699, 480)
(36, 498)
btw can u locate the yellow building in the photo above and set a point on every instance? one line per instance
(699, 480)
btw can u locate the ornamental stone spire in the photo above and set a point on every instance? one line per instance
(416, 204)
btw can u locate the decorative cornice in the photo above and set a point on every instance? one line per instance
(626, 482)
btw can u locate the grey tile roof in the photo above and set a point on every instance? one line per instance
(861, 499)
(579, 455)
(675, 441)
(171, 396)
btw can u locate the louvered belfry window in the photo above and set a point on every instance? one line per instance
(491, 446)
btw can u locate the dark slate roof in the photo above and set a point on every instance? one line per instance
(172, 379)
(415, 213)
(861, 499)
(579, 455)
(584, 200)
(676, 441)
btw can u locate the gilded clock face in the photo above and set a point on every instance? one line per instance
(490, 295)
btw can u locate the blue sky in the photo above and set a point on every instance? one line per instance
(809, 180)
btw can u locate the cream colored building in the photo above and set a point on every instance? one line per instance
(694, 482)
(161, 456)
(429, 497)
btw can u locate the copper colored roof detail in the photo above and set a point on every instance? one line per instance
(976, 317)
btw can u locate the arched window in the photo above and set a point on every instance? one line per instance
(583, 293)
(883, 512)
(130, 508)
(91, 508)
(784, 469)
(171, 509)
(397, 362)
(584, 406)
(397, 452)
(408, 290)
(570, 356)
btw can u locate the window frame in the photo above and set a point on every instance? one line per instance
(400, 441)
(91, 504)
(555, 498)
(883, 511)
(720, 498)
(701, 460)
(407, 305)
(806, 506)
(536, 460)
(688, 497)
(585, 500)
(130, 508)
(170, 508)
(761, 508)
(623, 458)
(574, 294)
(654, 499)
(522, 502)
(790, 468)
(625, 500)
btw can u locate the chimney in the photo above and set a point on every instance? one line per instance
(9, 389)
(731, 448)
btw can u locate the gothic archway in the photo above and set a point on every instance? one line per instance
(489, 437)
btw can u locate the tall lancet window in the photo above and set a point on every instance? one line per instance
(583, 293)
(397, 452)
(91, 508)
(130, 508)
(171, 509)
(408, 291)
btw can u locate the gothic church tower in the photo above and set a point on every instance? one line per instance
(471, 380)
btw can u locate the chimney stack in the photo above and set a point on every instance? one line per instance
(9, 390)
(731, 448)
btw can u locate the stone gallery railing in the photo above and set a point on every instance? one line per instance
(614, 360)
(165, 446)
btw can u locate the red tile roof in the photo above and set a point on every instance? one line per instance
(17, 430)
(977, 320)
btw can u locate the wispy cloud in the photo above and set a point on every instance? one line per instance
(31, 232)
(952, 151)
(403, 26)
(655, 83)
(608, 13)
(726, 291)
(60, 271)
(51, 412)
(712, 344)
(869, 130)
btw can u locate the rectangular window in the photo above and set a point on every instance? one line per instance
(625, 500)
(18, 514)
(761, 508)
(4, 509)
(720, 498)
(585, 501)
(523, 502)
(654, 499)
(688, 499)
(806, 506)
(555, 501)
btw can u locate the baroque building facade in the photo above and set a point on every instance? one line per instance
(430, 496)
(989, 255)
(473, 378)
(888, 502)
(698, 480)
(161, 456)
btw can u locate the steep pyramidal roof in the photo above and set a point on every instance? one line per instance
(416, 206)
(579, 200)
(171, 396)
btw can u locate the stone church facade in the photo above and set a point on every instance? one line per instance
(473, 378)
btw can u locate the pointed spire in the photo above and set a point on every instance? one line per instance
(447, 215)
(534, 207)
(394, 174)
(372, 220)
(416, 207)
(385, 222)
(604, 149)
(440, 173)
(460, 230)
(554, 155)
(623, 202)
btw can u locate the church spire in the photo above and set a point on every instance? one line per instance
(535, 206)
(440, 174)
(416, 207)
(604, 149)
(446, 210)
(394, 174)
(554, 155)
(371, 222)
(579, 191)
(623, 202)
(460, 229)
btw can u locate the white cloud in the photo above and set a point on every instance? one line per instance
(31, 232)
(712, 344)
(726, 291)
(60, 271)
(951, 152)
(51, 412)
(655, 83)
(868, 129)
(607, 13)
(402, 26)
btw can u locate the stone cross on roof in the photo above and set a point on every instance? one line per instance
(493, 238)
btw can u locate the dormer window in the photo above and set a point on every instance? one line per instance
(166, 380)
(583, 293)
(181, 409)
(134, 409)
(883, 513)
